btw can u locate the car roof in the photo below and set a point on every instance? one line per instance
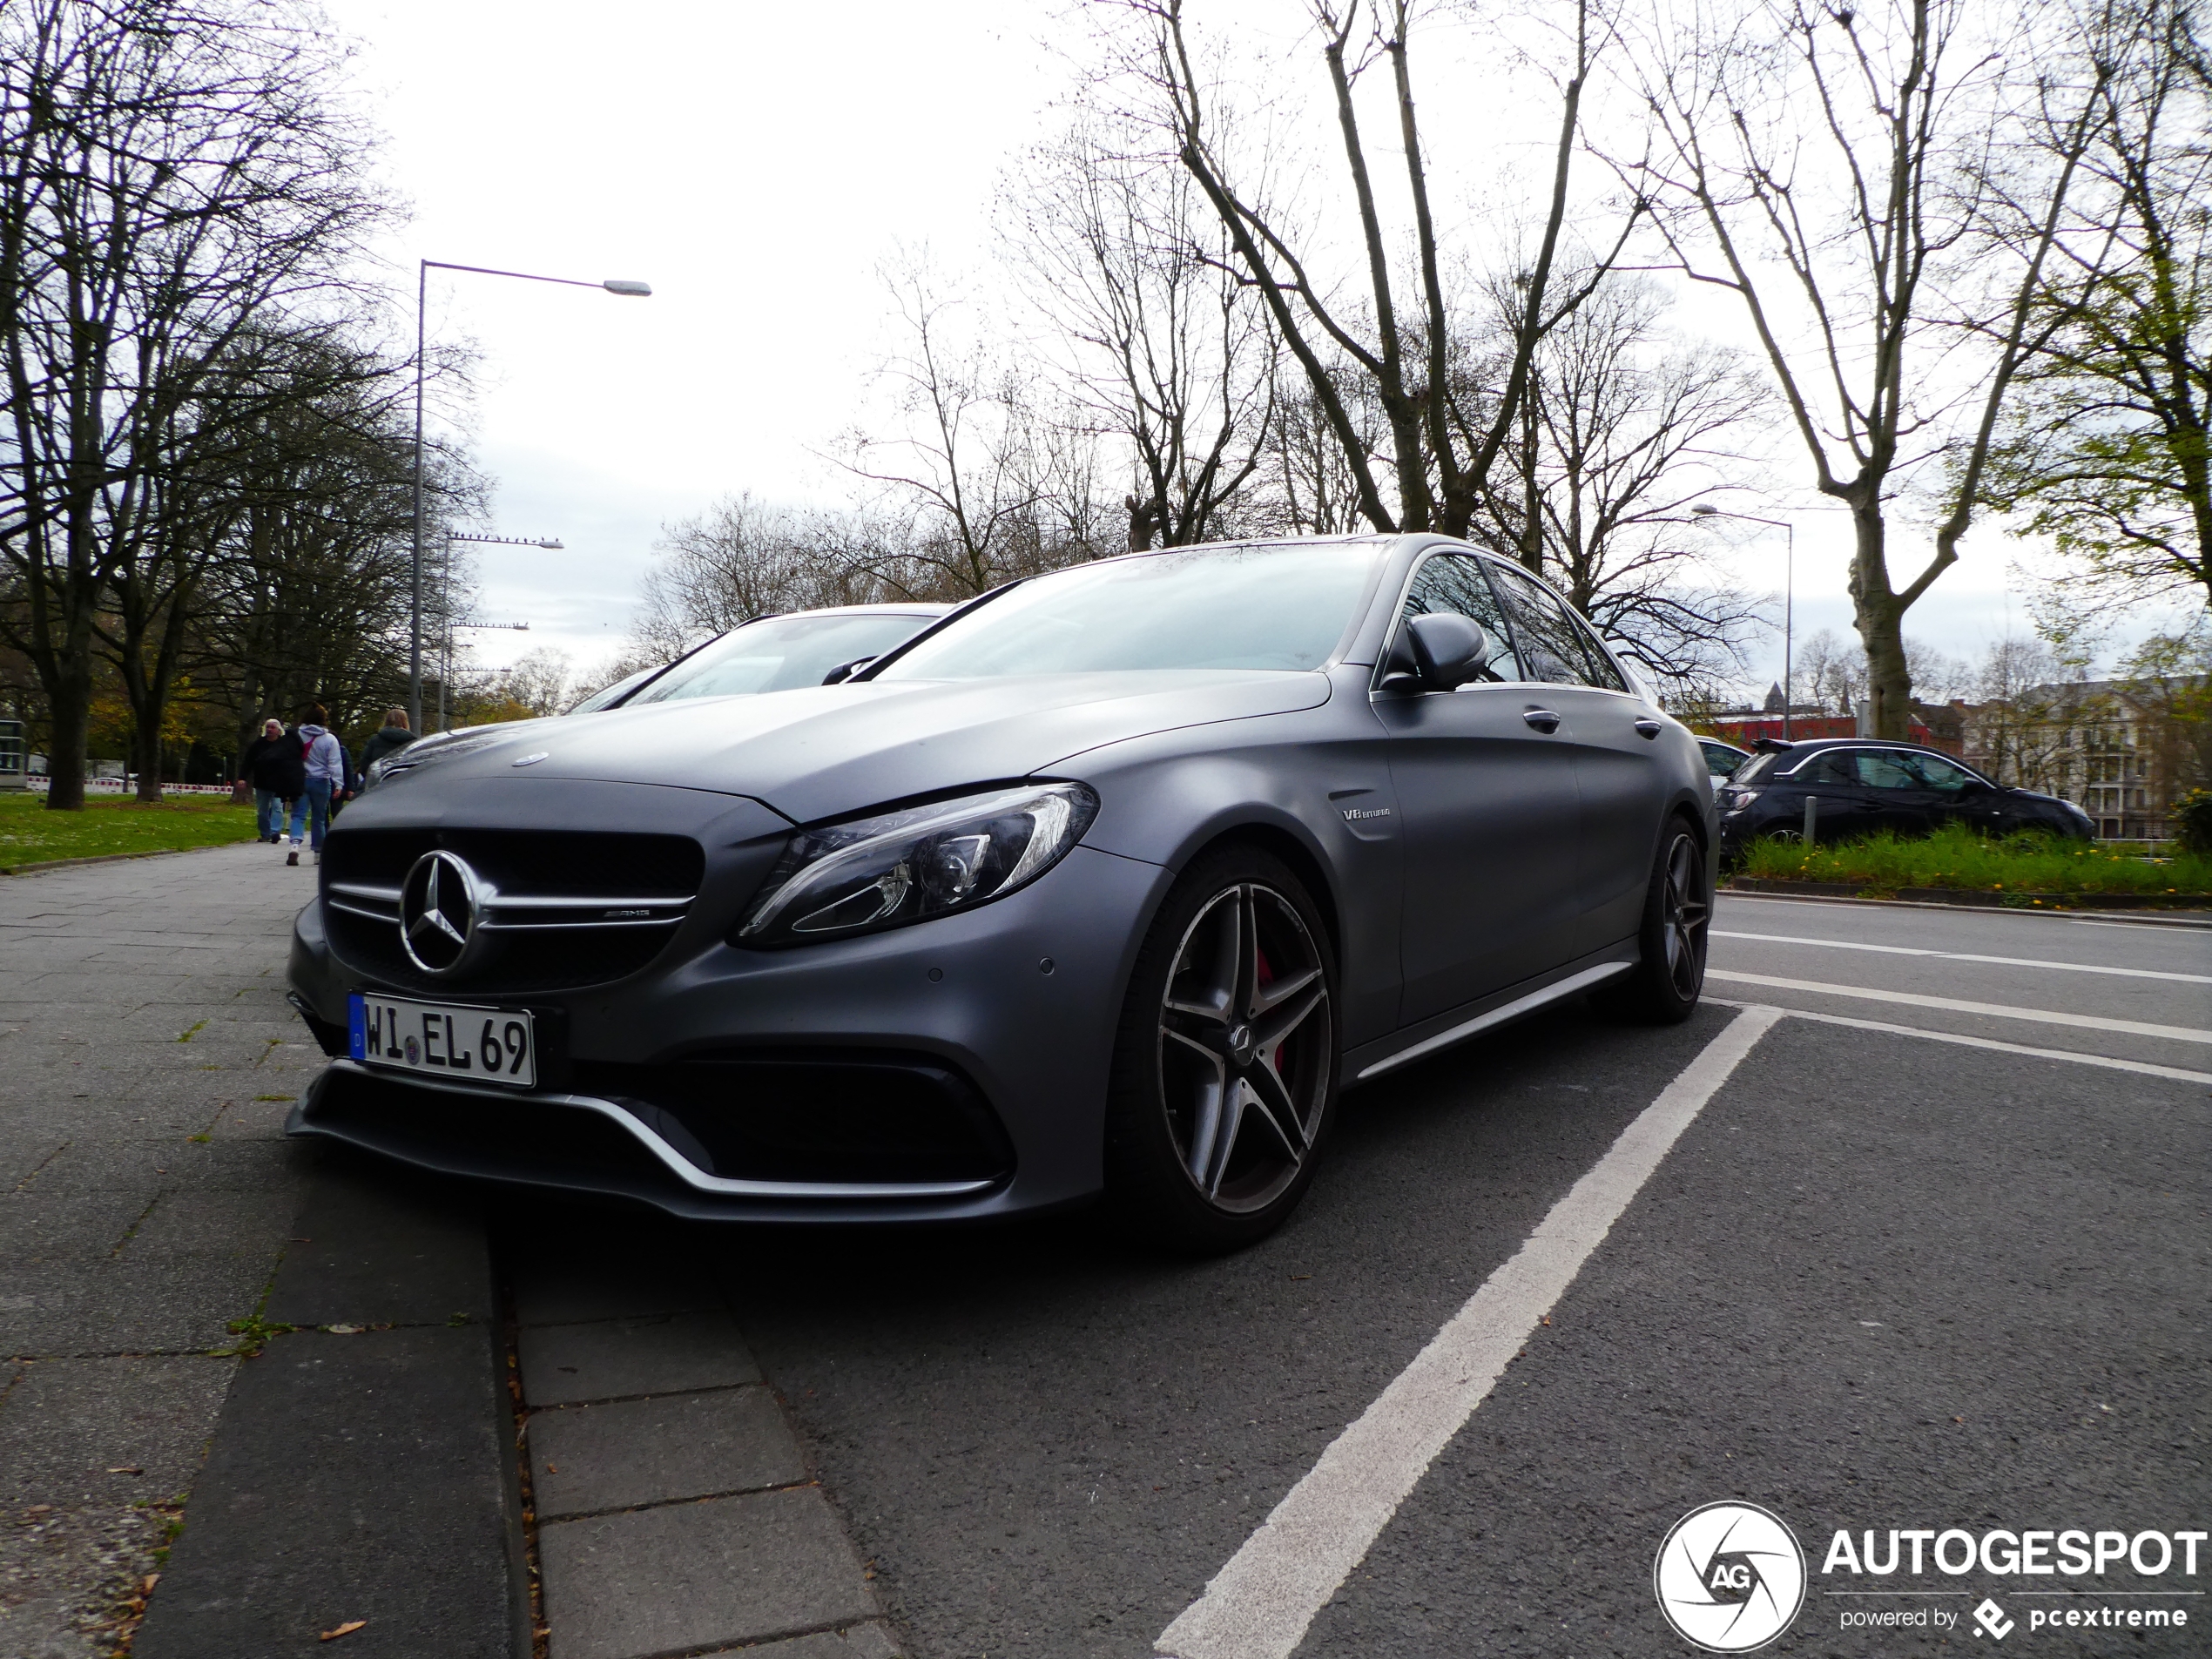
(1813, 746)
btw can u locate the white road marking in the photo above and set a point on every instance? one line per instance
(1961, 956)
(2079, 1059)
(1865, 905)
(1259, 1605)
(2042, 1016)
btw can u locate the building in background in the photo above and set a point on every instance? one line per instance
(2123, 751)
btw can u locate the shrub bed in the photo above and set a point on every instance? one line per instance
(1957, 857)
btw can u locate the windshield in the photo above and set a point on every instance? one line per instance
(609, 696)
(778, 653)
(1279, 607)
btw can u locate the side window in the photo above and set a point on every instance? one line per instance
(1453, 582)
(1881, 768)
(1951, 779)
(1604, 671)
(1551, 650)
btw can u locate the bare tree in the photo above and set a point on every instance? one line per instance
(742, 559)
(976, 484)
(1171, 355)
(1621, 433)
(1312, 489)
(1831, 166)
(2109, 452)
(1441, 442)
(171, 172)
(1828, 673)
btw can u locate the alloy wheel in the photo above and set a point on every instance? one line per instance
(1245, 1047)
(1685, 907)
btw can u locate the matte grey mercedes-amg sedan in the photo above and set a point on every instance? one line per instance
(1108, 881)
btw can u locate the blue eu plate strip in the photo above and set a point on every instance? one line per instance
(357, 1025)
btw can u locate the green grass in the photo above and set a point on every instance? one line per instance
(30, 834)
(1957, 857)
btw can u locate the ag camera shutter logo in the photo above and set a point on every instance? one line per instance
(1729, 1577)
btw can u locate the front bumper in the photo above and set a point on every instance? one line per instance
(1013, 1004)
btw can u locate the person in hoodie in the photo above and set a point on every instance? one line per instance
(271, 765)
(323, 759)
(394, 735)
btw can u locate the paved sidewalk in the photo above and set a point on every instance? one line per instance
(675, 1510)
(147, 1061)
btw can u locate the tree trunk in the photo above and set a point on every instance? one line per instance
(145, 745)
(1880, 618)
(70, 699)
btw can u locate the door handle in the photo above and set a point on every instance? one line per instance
(1648, 728)
(1542, 720)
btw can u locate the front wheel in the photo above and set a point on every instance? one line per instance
(1665, 984)
(1225, 1062)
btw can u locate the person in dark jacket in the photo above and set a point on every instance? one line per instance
(275, 766)
(394, 736)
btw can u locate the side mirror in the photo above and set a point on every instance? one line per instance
(1448, 650)
(845, 671)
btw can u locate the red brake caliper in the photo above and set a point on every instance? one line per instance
(1267, 977)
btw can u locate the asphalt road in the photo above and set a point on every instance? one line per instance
(1884, 1280)
(1929, 1253)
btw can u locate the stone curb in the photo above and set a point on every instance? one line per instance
(45, 865)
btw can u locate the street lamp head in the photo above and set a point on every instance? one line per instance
(623, 285)
(1705, 510)
(552, 546)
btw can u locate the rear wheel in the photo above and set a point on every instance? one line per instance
(1664, 986)
(1224, 1067)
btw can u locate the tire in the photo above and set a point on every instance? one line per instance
(1224, 1081)
(1664, 986)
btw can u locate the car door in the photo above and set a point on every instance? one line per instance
(1900, 799)
(1845, 807)
(1959, 797)
(1490, 813)
(1618, 772)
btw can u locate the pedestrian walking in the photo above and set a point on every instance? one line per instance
(274, 765)
(323, 760)
(394, 736)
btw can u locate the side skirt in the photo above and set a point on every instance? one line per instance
(1371, 1060)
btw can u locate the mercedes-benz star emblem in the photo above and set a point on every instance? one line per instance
(439, 906)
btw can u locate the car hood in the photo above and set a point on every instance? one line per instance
(823, 751)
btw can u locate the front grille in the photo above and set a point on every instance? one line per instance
(564, 909)
(801, 1116)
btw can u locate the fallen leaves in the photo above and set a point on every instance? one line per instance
(345, 1630)
(345, 1330)
(127, 1468)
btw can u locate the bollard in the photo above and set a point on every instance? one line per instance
(1812, 816)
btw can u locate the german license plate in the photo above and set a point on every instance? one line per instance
(447, 1040)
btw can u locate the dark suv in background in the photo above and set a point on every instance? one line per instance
(1860, 787)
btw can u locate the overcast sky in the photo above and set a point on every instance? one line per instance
(754, 163)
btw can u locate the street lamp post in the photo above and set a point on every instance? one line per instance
(1789, 591)
(621, 286)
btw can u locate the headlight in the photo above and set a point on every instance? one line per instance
(1737, 799)
(909, 866)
